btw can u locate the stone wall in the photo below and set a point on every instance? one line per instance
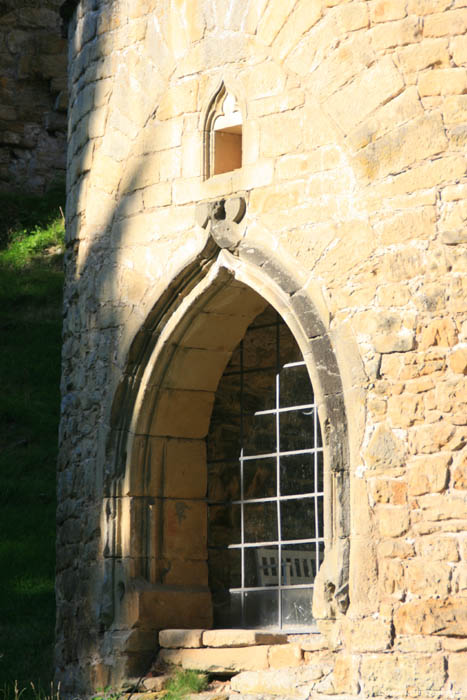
(354, 180)
(33, 95)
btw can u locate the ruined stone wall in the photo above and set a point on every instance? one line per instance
(354, 178)
(33, 95)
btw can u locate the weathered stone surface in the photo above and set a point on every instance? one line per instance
(345, 675)
(459, 474)
(385, 450)
(285, 656)
(439, 548)
(438, 616)
(393, 520)
(155, 683)
(367, 635)
(352, 170)
(384, 675)
(34, 97)
(431, 578)
(290, 683)
(457, 677)
(185, 473)
(187, 639)
(428, 474)
(458, 361)
(240, 638)
(218, 660)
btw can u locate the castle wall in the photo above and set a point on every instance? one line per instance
(354, 178)
(33, 95)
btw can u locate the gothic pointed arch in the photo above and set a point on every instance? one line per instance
(223, 134)
(156, 507)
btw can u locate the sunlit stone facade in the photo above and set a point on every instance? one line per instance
(229, 159)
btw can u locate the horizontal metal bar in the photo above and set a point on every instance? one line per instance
(273, 587)
(275, 543)
(287, 453)
(286, 409)
(274, 499)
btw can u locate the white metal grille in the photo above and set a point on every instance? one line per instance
(280, 497)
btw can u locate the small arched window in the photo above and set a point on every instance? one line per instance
(223, 147)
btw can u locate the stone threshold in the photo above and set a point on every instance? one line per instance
(232, 651)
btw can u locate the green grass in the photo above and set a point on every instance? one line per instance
(184, 683)
(31, 279)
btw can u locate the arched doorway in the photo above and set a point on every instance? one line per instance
(160, 562)
(265, 484)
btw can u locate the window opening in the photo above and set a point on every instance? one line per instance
(265, 484)
(224, 135)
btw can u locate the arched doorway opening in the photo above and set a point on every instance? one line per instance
(265, 484)
(161, 518)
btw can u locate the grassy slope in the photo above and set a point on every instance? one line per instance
(30, 328)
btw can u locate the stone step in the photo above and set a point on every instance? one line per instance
(221, 660)
(191, 639)
(236, 650)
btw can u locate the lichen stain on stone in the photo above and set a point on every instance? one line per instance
(181, 509)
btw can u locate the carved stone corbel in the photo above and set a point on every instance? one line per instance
(222, 219)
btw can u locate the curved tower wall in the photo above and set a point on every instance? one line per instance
(353, 183)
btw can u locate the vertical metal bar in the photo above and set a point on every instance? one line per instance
(316, 488)
(278, 476)
(242, 517)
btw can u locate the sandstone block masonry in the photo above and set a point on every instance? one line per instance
(348, 216)
(33, 95)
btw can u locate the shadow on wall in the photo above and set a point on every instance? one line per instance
(94, 326)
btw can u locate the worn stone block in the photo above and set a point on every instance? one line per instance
(444, 81)
(438, 548)
(445, 23)
(457, 676)
(393, 520)
(184, 531)
(345, 674)
(384, 11)
(396, 33)
(186, 639)
(386, 83)
(185, 474)
(273, 18)
(285, 656)
(459, 472)
(218, 660)
(388, 491)
(458, 361)
(438, 616)
(425, 136)
(290, 683)
(385, 449)
(196, 368)
(241, 638)
(426, 577)
(392, 676)
(367, 635)
(183, 414)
